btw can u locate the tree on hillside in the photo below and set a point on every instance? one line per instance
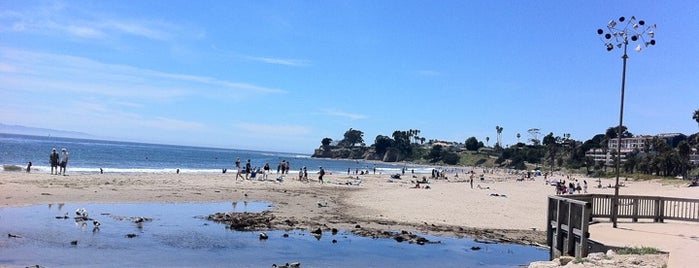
(326, 142)
(352, 137)
(402, 142)
(696, 116)
(435, 154)
(471, 144)
(382, 143)
(612, 132)
(551, 144)
(683, 151)
(534, 133)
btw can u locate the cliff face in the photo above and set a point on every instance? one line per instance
(356, 153)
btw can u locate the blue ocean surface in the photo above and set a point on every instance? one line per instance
(178, 235)
(88, 156)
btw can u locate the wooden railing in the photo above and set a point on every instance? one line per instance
(569, 216)
(634, 207)
(567, 226)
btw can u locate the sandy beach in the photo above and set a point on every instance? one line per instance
(500, 208)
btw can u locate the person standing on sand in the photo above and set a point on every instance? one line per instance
(248, 169)
(266, 169)
(237, 162)
(321, 173)
(64, 161)
(53, 160)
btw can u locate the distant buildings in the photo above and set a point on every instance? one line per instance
(643, 143)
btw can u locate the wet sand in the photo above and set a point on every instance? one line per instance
(499, 209)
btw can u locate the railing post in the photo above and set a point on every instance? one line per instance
(584, 228)
(569, 232)
(656, 211)
(549, 229)
(558, 242)
(636, 204)
(662, 210)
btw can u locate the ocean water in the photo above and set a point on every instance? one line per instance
(179, 236)
(88, 156)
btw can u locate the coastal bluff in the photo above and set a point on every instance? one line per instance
(365, 153)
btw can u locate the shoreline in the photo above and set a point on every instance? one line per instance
(497, 209)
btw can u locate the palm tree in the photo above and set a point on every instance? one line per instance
(518, 136)
(487, 139)
(696, 116)
(498, 129)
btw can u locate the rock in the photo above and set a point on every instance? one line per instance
(543, 264)
(563, 260)
(596, 256)
(610, 253)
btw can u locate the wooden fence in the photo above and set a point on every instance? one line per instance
(569, 217)
(634, 207)
(567, 226)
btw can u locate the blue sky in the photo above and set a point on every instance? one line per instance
(282, 75)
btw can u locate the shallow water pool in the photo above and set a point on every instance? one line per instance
(177, 235)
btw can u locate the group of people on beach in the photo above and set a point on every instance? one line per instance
(571, 188)
(58, 167)
(248, 172)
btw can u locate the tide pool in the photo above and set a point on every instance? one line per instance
(178, 235)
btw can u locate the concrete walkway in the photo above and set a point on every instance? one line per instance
(680, 239)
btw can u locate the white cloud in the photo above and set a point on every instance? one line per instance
(279, 61)
(83, 31)
(344, 114)
(34, 71)
(75, 22)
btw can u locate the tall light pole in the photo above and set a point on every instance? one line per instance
(634, 30)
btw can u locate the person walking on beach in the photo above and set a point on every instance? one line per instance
(64, 161)
(321, 173)
(53, 160)
(239, 173)
(237, 162)
(248, 169)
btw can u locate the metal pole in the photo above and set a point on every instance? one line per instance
(615, 212)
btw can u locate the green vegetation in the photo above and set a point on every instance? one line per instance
(659, 156)
(638, 251)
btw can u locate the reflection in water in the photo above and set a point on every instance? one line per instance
(178, 235)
